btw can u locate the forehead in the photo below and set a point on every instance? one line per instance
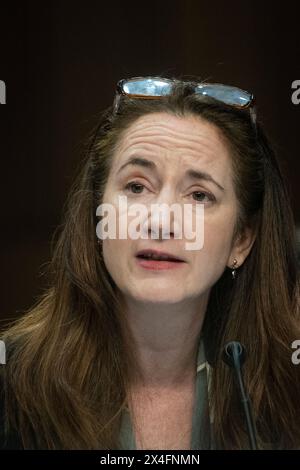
(189, 138)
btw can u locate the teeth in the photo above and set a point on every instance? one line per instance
(155, 257)
(151, 256)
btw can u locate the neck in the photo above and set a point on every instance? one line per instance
(166, 337)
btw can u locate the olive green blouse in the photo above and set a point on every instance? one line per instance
(201, 426)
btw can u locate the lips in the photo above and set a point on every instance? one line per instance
(155, 255)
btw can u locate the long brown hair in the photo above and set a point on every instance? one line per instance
(71, 357)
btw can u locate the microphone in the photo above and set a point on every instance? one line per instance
(234, 355)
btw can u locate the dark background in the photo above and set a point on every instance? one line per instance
(60, 63)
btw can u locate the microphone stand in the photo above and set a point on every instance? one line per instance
(234, 356)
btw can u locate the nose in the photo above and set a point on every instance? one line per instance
(161, 222)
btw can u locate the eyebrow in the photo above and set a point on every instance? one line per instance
(191, 173)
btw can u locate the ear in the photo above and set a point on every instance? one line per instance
(241, 246)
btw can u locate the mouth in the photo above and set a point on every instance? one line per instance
(155, 260)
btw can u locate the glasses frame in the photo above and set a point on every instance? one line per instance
(121, 92)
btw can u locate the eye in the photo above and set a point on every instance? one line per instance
(201, 194)
(134, 184)
(137, 188)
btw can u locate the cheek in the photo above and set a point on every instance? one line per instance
(115, 255)
(218, 235)
(210, 262)
(111, 251)
(215, 251)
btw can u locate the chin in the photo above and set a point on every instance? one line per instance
(156, 296)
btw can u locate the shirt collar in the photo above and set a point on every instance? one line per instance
(201, 359)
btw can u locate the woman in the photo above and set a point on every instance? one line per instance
(123, 351)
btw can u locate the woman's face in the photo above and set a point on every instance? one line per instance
(174, 145)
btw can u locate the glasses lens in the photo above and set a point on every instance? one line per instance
(147, 87)
(227, 94)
